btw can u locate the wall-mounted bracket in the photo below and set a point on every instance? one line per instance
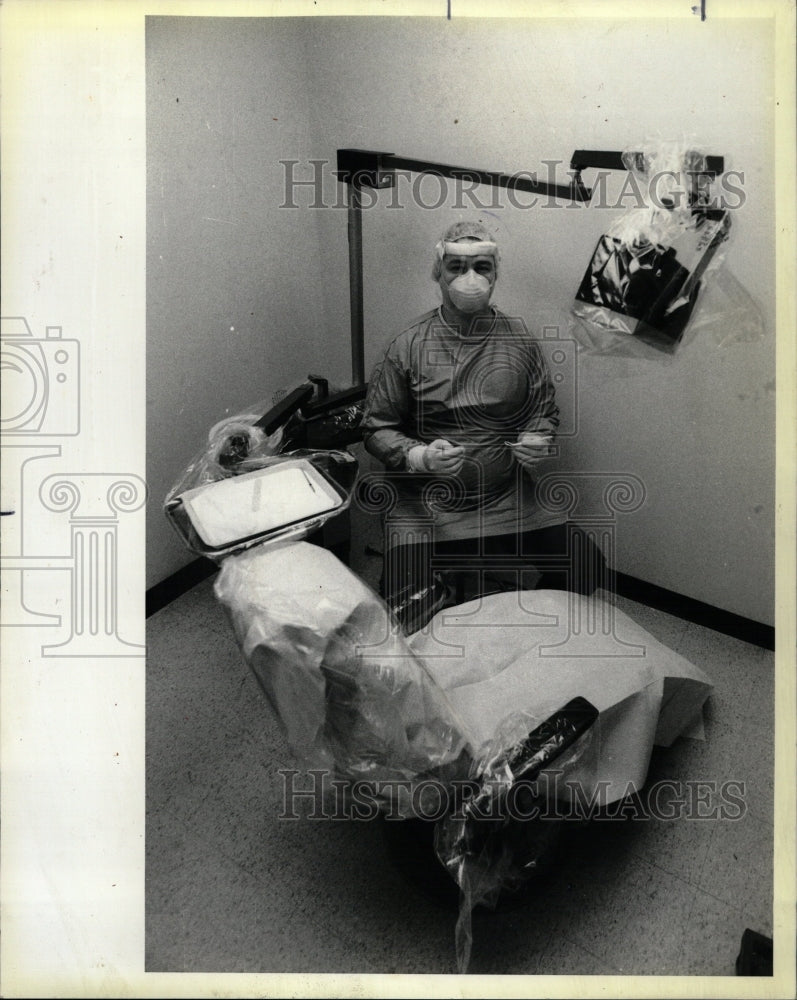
(363, 169)
(604, 160)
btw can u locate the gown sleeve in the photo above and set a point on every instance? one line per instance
(544, 415)
(388, 422)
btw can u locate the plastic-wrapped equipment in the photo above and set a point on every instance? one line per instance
(573, 688)
(239, 491)
(646, 272)
(349, 692)
(555, 646)
(494, 841)
(452, 706)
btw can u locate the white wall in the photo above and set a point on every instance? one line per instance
(234, 302)
(502, 95)
(505, 95)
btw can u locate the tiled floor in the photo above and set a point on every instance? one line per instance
(233, 888)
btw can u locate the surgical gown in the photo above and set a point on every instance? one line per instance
(479, 391)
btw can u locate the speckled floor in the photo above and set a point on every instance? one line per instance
(233, 888)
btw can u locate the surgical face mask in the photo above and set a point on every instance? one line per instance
(470, 292)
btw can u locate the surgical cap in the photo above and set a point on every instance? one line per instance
(460, 231)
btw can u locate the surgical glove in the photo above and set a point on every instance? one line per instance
(531, 448)
(439, 457)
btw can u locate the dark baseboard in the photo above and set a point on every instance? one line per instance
(177, 584)
(654, 596)
(695, 611)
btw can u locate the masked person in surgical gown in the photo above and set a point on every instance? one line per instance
(461, 412)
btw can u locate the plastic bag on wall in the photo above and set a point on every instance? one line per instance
(649, 270)
(239, 491)
(726, 312)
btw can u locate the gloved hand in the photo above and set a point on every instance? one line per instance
(440, 457)
(531, 448)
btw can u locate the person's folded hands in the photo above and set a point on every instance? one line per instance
(531, 448)
(440, 457)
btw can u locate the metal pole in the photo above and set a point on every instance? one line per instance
(356, 285)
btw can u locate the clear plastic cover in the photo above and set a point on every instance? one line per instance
(350, 694)
(495, 841)
(449, 713)
(239, 491)
(648, 278)
(452, 714)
